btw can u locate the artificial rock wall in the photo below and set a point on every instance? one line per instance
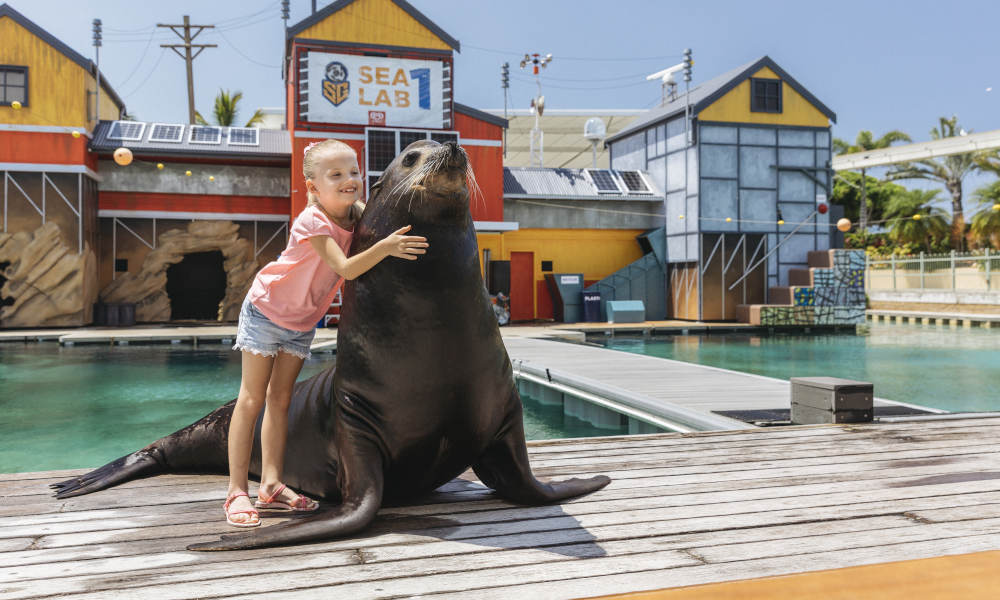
(148, 287)
(50, 284)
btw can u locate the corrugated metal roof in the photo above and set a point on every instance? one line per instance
(705, 94)
(273, 143)
(543, 182)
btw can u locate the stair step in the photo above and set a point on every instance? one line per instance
(820, 258)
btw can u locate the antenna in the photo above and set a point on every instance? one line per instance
(97, 76)
(505, 84)
(536, 61)
(666, 77)
(594, 131)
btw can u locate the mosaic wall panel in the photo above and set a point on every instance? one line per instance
(823, 277)
(849, 259)
(824, 315)
(803, 296)
(849, 315)
(788, 315)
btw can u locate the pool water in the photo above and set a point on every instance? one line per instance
(82, 406)
(951, 369)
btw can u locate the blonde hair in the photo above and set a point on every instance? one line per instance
(313, 153)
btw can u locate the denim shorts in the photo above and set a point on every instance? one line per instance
(261, 336)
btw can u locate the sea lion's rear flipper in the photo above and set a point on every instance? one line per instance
(198, 448)
(139, 464)
(362, 479)
(504, 467)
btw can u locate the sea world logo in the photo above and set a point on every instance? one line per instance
(336, 87)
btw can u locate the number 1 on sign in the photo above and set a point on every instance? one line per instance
(423, 77)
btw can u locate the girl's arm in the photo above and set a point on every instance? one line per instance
(395, 244)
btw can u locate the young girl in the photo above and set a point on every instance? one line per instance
(278, 318)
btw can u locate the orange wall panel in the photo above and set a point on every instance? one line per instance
(487, 164)
(257, 205)
(45, 148)
(471, 127)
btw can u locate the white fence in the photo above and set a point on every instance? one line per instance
(953, 271)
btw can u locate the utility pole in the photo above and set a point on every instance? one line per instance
(505, 84)
(97, 75)
(188, 58)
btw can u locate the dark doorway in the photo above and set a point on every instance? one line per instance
(196, 285)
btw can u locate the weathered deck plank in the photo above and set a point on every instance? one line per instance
(681, 510)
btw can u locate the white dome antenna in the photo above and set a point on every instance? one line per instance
(594, 131)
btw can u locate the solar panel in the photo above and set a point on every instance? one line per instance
(244, 136)
(127, 131)
(604, 180)
(165, 132)
(203, 134)
(633, 181)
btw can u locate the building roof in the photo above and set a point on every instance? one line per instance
(6, 10)
(707, 93)
(403, 4)
(565, 184)
(272, 143)
(563, 142)
(482, 115)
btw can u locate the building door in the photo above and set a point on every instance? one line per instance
(522, 286)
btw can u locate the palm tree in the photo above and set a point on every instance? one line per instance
(225, 110)
(986, 223)
(912, 218)
(867, 141)
(947, 170)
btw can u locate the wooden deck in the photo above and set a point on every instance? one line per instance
(681, 510)
(680, 392)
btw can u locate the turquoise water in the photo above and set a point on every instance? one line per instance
(82, 406)
(951, 369)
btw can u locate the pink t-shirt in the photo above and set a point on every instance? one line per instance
(295, 291)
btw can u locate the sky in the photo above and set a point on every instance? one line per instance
(879, 64)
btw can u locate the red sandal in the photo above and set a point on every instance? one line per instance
(229, 515)
(300, 504)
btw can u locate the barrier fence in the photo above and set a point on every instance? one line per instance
(952, 271)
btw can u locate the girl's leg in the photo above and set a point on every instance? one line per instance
(274, 430)
(253, 394)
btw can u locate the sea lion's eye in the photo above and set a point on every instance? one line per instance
(410, 159)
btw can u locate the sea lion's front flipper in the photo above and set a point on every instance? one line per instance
(504, 467)
(362, 479)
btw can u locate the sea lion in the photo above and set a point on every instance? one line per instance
(422, 388)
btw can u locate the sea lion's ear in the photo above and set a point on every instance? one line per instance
(374, 190)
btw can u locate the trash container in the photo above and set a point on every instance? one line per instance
(592, 306)
(564, 289)
(111, 314)
(126, 314)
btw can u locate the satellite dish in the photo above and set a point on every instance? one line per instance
(594, 129)
(538, 105)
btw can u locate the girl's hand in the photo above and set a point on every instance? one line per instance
(404, 246)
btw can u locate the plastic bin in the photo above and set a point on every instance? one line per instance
(592, 306)
(126, 314)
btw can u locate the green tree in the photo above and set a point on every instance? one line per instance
(847, 193)
(912, 218)
(986, 222)
(866, 141)
(947, 170)
(225, 110)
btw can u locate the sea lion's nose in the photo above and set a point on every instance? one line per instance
(456, 157)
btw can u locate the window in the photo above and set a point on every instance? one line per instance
(13, 85)
(765, 95)
(384, 144)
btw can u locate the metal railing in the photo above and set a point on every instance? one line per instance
(952, 271)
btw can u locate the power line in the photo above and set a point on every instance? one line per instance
(241, 53)
(150, 74)
(586, 58)
(141, 58)
(570, 87)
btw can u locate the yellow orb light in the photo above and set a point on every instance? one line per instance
(996, 207)
(781, 221)
(75, 134)
(159, 166)
(188, 173)
(844, 225)
(680, 217)
(211, 177)
(15, 105)
(729, 219)
(123, 156)
(916, 217)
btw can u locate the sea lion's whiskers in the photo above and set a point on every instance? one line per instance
(474, 189)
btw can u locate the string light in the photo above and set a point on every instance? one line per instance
(729, 219)
(15, 105)
(781, 221)
(211, 177)
(75, 134)
(681, 217)
(188, 173)
(159, 166)
(916, 217)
